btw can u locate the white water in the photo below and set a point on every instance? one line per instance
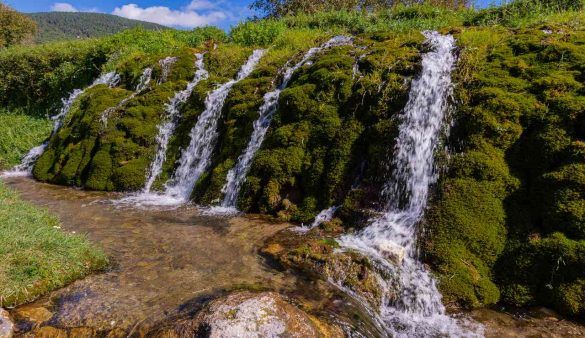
(165, 131)
(197, 157)
(26, 165)
(237, 175)
(143, 83)
(167, 128)
(325, 215)
(165, 65)
(390, 241)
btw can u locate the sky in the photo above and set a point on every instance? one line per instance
(184, 14)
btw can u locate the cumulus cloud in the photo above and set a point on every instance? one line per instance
(197, 13)
(63, 7)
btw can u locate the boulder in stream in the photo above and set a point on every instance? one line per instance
(249, 314)
(6, 325)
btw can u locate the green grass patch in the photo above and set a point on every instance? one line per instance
(37, 256)
(19, 133)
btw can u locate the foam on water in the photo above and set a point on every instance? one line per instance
(390, 240)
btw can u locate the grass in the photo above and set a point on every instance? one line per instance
(20, 132)
(37, 256)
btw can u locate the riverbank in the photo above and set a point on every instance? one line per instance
(37, 255)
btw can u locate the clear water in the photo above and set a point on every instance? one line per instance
(143, 83)
(237, 175)
(25, 167)
(390, 241)
(195, 159)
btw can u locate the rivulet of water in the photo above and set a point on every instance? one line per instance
(390, 241)
(166, 65)
(25, 167)
(195, 159)
(237, 175)
(143, 83)
(165, 130)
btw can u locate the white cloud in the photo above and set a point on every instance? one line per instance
(196, 5)
(187, 17)
(63, 7)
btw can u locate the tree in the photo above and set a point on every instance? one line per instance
(279, 8)
(15, 28)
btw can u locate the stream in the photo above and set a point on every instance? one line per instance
(167, 263)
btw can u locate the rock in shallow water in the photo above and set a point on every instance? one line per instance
(248, 314)
(6, 325)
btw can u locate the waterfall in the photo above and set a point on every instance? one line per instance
(165, 65)
(237, 175)
(143, 83)
(197, 157)
(167, 128)
(417, 310)
(325, 215)
(110, 79)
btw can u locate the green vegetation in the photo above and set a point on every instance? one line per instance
(15, 28)
(20, 132)
(506, 223)
(36, 255)
(55, 26)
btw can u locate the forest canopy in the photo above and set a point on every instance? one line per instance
(15, 28)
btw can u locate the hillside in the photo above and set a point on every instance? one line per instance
(55, 26)
(443, 149)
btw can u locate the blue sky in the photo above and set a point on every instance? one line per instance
(176, 13)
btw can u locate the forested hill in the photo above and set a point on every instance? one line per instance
(60, 26)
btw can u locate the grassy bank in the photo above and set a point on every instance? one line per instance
(37, 256)
(20, 132)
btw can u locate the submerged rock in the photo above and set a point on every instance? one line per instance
(6, 325)
(248, 314)
(315, 253)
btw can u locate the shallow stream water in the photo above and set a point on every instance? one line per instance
(167, 263)
(164, 263)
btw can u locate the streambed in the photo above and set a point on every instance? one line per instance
(164, 263)
(167, 263)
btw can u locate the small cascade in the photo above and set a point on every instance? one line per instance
(143, 83)
(167, 128)
(197, 157)
(237, 175)
(390, 241)
(25, 167)
(324, 216)
(165, 65)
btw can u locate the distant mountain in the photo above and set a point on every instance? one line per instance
(61, 26)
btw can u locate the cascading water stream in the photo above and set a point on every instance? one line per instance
(197, 157)
(165, 131)
(143, 83)
(110, 79)
(165, 65)
(167, 128)
(417, 310)
(237, 175)
(324, 216)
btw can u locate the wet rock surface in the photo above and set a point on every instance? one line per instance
(315, 254)
(536, 322)
(6, 325)
(249, 314)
